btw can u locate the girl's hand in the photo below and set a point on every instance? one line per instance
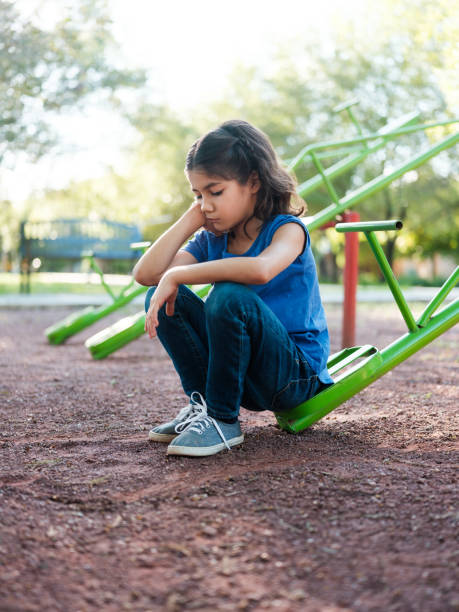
(207, 225)
(166, 292)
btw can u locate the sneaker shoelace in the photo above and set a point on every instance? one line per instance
(199, 420)
(190, 413)
(204, 422)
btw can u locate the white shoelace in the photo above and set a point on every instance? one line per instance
(205, 422)
(198, 419)
(191, 412)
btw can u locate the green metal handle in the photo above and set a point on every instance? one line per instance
(370, 226)
(346, 105)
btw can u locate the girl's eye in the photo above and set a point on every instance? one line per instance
(214, 193)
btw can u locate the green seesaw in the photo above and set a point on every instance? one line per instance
(129, 328)
(112, 338)
(375, 362)
(77, 321)
(356, 149)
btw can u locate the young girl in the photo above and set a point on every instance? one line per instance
(260, 339)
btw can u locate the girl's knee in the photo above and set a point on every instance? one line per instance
(183, 290)
(227, 295)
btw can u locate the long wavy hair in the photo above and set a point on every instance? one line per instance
(235, 150)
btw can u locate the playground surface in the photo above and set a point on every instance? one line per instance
(359, 512)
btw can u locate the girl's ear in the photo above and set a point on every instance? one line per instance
(254, 181)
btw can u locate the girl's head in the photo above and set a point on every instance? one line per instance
(237, 150)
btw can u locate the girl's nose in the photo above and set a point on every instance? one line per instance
(206, 205)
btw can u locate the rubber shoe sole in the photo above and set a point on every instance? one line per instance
(202, 451)
(153, 436)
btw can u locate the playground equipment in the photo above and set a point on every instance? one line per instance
(77, 321)
(123, 331)
(106, 242)
(356, 150)
(375, 362)
(379, 139)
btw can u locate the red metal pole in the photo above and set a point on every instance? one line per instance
(351, 271)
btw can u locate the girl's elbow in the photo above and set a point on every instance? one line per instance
(142, 278)
(262, 274)
(138, 275)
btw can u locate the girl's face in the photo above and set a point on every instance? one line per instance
(225, 203)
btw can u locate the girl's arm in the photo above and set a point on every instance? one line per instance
(164, 252)
(287, 243)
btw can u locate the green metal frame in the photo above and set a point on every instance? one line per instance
(77, 321)
(375, 362)
(122, 332)
(364, 145)
(379, 139)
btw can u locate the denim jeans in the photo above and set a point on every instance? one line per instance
(234, 350)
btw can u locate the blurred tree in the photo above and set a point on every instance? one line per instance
(153, 188)
(292, 100)
(42, 71)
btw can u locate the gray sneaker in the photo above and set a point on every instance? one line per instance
(206, 436)
(168, 431)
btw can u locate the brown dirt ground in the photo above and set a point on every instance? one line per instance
(357, 513)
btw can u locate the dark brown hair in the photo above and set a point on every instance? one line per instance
(237, 149)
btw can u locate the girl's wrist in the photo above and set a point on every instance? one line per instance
(170, 276)
(194, 217)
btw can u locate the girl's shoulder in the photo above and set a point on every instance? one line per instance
(275, 222)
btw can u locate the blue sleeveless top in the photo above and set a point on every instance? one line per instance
(293, 295)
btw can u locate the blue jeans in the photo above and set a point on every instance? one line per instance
(234, 350)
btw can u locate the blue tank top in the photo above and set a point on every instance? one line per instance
(293, 295)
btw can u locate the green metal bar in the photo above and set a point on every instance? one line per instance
(123, 292)
(352, 160)
(365, 373)
(325, 179)
(114, 337)
(435, 302)
(74, 323)
(372, 136)
(345, 105)
(339, 152)
(391, 281)
(378, 183)
(369, 226)
(347, 356)
(96, 268)
(354, 120)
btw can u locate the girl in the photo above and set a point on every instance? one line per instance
(260, 340)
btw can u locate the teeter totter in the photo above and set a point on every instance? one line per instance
(352, 152)
(367, 363)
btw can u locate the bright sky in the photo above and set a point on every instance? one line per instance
(189, 49)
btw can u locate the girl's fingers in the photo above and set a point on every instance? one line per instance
(151, 322)
(170, 308)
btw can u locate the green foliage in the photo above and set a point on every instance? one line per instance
(45, 71)
(400, 63)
